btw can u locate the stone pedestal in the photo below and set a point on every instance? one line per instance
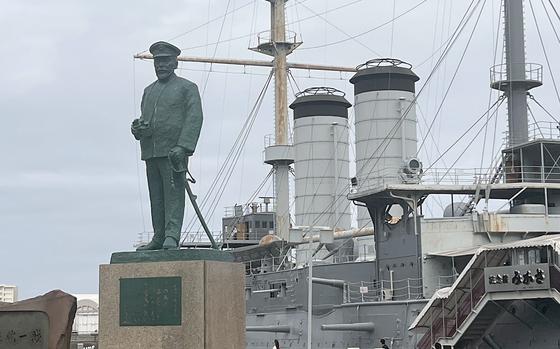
(181, 299)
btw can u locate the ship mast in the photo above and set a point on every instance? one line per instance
(278, 31)
(516, 77)
(279, 154)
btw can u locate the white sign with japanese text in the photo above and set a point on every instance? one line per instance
(517, 277)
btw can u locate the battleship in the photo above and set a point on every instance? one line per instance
(485, 275)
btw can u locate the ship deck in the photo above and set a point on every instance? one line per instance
(504, 191)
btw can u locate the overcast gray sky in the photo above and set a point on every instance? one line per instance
(72, 189)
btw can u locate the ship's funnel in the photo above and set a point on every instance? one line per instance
(321, 158)
(385, 123)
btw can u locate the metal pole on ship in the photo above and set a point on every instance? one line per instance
(281, 168)
(310, 289)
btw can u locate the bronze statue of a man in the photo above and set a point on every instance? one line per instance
(168, 131)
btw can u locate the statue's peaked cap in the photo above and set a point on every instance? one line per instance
(164, 49)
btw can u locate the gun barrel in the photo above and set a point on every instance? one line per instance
(359, 326)
(274, 329)
(329, 282)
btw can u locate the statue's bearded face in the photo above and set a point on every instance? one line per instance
(165, 66)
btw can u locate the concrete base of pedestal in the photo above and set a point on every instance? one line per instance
(207, 305)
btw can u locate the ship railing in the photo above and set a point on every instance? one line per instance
(532, 174)
(245, 209)
(350, 258)
(540, 130)
(199, 237)
(265, 37)
(269, 265)
(250, 236)
(521, 72)
(289, 262)
(457, 176)
(529, 174)
(544, 130)
(143, 238)
(469, 176)
(270, 140)
(448, 314)
(391, 290)
(188, 237)
(454, 176)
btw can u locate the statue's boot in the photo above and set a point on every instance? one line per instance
(152, 245)
(170, 243)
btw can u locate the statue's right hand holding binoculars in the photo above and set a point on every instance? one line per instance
(140, 128)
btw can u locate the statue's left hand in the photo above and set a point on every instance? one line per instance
(177, 158)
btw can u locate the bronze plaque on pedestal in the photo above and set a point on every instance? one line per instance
(152, 301)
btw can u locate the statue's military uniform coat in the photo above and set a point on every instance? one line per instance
(174, 112)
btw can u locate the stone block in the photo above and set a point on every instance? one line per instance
(43, 322)
(171, 304)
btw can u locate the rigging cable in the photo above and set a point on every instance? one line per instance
(237, 154)
(473, 139)
(290, 127)
(294, 80)
(253, 22)
(453, 77)
(535, 120)
(444, 44)
(428, 155)
(531, 97)
(296, 8)
(550, 21)
(434, 41)
(251, 198)
(294, 92)
(223, 97)
(393, 27)
(498, 102)
(554, 9)
(230, 158)
(459, 29)
(545, 53)
(216, 48)
(367, 31)
(290, 23)
(208, 22)
(495, 44)
(494, 151)
(462, 24)
(134, 99)
(341, 30)
(252, 26)
(208, 28)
